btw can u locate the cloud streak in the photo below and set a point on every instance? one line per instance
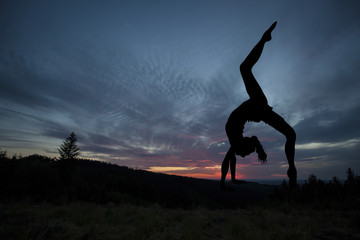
(321, 145)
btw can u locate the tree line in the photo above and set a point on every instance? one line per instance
(70, 178)
(322, 194)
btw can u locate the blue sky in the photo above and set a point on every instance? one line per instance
(150, 84)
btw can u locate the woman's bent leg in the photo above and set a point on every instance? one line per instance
(277, 122)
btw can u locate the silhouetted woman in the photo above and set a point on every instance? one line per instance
(255, 109)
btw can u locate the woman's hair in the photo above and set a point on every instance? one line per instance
(249, 145)
(259, 150)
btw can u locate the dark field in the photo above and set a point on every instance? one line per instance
(128, 221)
(42, 199)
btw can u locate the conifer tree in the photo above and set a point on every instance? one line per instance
(350, 176)
(68, 149)
(3, 154)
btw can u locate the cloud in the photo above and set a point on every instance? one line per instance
(321, 145)
(325, 125)
(313, 158)
(169, 169)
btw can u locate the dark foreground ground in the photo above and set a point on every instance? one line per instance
(41, 198)
(128, 221)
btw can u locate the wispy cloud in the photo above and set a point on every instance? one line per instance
(170, 169)
(321, 145)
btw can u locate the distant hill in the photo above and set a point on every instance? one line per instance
(39, 178)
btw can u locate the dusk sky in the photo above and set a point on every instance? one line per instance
(150, 84)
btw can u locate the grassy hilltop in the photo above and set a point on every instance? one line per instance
(40, 178)
(41, 198)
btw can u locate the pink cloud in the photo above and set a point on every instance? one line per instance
(279, 175)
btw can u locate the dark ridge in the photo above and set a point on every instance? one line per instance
(41, 179)
(38, 178)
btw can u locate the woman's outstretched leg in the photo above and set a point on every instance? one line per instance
(277, 122)
(252, 86)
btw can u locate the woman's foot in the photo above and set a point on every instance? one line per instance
(292, 174)
(267, 35)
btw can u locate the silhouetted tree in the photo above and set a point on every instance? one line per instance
(335, 181)
(335, 190)
(68, 154)
(3, 154)
(312, 179)
(350, 176)
(350, 185)
(68, 149)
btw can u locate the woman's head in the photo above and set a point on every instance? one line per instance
(250, 145)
